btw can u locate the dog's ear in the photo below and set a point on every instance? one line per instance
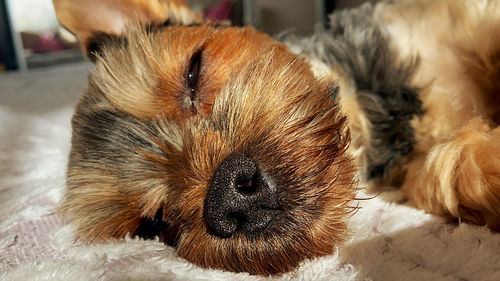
(97, 23)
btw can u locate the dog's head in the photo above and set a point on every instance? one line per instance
(216, 139)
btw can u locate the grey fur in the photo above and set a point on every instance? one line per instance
(357, 44)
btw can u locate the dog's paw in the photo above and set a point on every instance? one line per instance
(460, 177)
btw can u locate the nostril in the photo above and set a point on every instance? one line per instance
(238, 218)
(247, 186)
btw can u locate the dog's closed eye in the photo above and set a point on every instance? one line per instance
(192, 78)
(193, 73)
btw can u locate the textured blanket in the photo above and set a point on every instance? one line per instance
(390, 240)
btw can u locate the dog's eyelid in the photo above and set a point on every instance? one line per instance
(194, 70)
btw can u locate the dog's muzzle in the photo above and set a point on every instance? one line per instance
(241, 197)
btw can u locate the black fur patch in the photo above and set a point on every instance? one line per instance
(105, 137)
(363, 50)
(156, 227)
(150, 28)
(101, 40)
(108, 142)
(356, 43)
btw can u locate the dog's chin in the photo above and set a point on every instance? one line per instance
(297, 231)
(278, 249)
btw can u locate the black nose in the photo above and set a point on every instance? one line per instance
(240, 197)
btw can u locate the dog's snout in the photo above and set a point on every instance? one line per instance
(240, 197)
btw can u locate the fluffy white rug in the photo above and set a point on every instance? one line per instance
(390, 241)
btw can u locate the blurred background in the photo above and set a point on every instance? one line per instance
(30, 36)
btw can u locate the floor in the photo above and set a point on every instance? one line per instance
(45, 89)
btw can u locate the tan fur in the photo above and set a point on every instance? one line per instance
(359, 124)
(202, 248)
(86, 17)
(459, 177)
(452, 169)
(141, 144)
(290, 123)
(252, 97)
(135, 80)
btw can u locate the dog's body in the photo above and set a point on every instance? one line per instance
(223, 143)
(425, 79)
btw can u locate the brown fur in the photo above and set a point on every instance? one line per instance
(86, 17)
(142, 144)
(138, 148)
(453, 170)
(158, 89)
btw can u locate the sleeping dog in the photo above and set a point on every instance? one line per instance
(245, 153)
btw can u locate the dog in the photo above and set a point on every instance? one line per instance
(245, 153)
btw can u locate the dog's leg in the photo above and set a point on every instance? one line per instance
(460, 177)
